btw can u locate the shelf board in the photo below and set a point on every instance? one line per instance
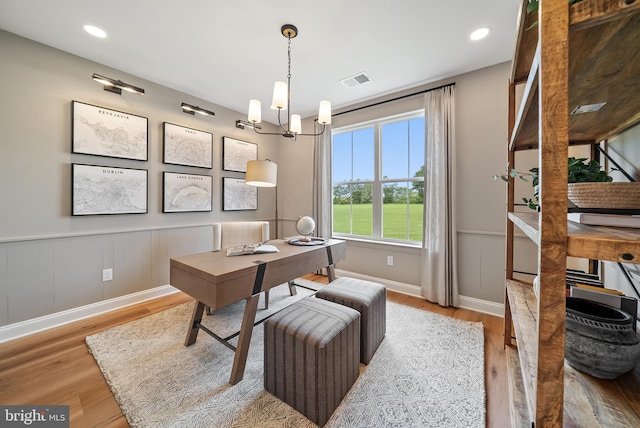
(615, 244)
(520, 416)
(602, 68)
(528, 223)
(584, 14)
(526, 42)
(588, 402)
(523, 305)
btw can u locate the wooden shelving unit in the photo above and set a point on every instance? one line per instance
(578, 55)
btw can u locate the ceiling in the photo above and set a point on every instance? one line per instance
(228, 52)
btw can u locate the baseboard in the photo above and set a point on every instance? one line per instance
(35, 325)
(471, 303)
(400, 287)
(483, 306)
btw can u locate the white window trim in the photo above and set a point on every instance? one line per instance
(376, 183)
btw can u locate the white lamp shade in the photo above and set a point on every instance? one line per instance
(262, 173)
(255, 111)
(296, 124)
(324, 112)
(279, 96)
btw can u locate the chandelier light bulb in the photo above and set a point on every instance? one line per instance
(255, 111)
(296, 124)
(324, 112)
(279, 96)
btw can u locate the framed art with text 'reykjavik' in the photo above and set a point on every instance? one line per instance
(104, 132)
(108, 190)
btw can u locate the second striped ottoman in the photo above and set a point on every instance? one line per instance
(368, 298)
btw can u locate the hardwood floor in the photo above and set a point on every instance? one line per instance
(55, 366)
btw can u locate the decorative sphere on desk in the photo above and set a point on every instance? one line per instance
(305, 226)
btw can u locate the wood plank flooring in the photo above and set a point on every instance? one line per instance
(55, 366)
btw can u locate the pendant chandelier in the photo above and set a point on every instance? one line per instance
(282, 101)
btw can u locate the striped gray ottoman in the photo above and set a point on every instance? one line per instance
(368, 298)
(311, 356)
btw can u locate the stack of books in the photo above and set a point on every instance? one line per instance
(616, 220)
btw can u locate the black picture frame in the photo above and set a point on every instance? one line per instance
(236, 153)
(186, 146)
(183, 192)
(101, 131)
(98, 190)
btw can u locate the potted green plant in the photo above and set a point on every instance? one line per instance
(589, 186)
(533, 5)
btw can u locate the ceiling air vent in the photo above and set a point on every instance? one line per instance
(356, 80)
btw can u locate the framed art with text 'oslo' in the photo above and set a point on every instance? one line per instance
(236, 153)
(238, 195)
(186, 146)
(186, 192)
(104, 132)
(108, 190)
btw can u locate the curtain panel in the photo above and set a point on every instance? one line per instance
(322, 185)
(439, 276)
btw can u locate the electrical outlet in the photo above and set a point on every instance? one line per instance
(107, 275)
(389, 260)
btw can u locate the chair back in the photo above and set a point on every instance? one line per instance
(232, 233)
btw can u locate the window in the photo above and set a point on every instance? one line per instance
(378, 170)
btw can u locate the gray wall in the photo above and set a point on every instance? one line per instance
(51, 261)
(481, 134)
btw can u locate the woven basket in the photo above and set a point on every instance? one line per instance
(605, 195)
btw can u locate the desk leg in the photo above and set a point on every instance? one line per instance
(331, 273)
(196, 318)
(242, 349)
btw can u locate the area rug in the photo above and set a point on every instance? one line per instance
(427, 372)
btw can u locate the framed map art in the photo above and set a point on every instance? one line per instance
(236, 153)
(238, 195)
(104, 132)
(108, 190)
(186, 146)
(186, 192)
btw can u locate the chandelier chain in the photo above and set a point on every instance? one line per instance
(289, 57)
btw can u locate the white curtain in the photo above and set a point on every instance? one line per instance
(439, 253)
(322, 186)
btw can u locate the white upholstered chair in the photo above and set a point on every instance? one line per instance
(232, 233)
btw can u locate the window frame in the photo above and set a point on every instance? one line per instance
(377, 182)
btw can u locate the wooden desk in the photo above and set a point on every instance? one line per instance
(216, 280)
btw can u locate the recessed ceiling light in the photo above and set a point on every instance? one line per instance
(95, 31)
(480, 33)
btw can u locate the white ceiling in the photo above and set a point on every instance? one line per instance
(228, 52)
